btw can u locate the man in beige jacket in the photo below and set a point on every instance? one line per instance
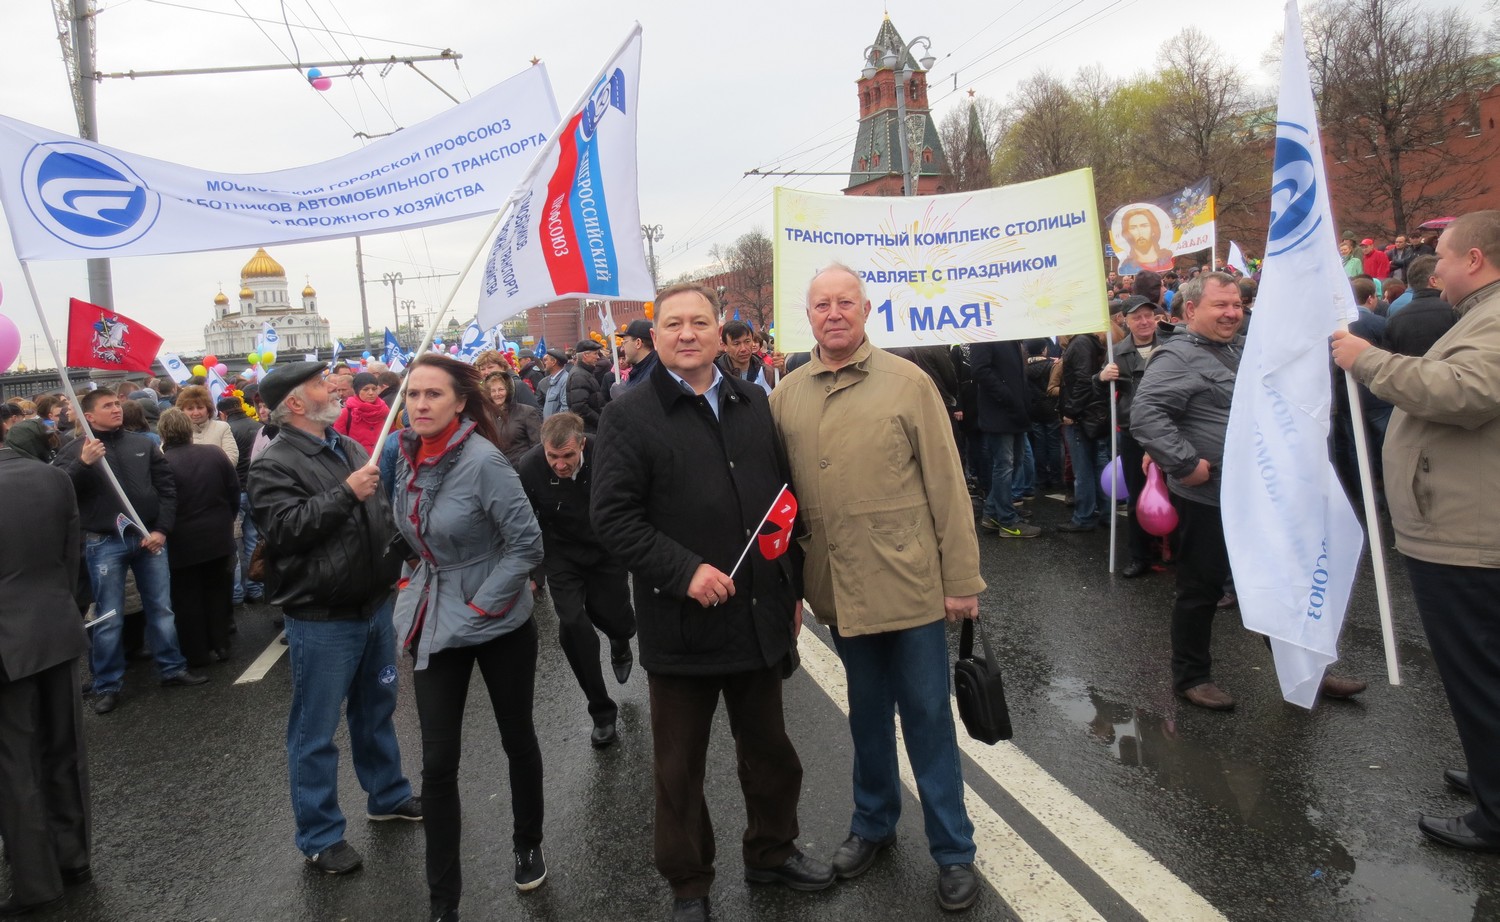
(890, 551)
(1442, 449)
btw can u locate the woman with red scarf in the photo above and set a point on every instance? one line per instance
(364, 413)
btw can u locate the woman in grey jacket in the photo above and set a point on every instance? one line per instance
(460, 507)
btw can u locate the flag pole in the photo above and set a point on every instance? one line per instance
(756, 534)
(485, 241)
(1372, 528)
(1114, 449)
(62, 371)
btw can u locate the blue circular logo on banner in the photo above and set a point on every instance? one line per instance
(87, 197)
(1294, 190)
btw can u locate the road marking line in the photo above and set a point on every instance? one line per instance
(264, 662)
(1020, 875)
(1142, 881)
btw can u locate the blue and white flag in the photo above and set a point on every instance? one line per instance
(67, 198)
(216, 386)
(176, 370)
(393, 356)
(541, 346)
(472, 342)
(1293, 540)
(269, 340)
(337, 348)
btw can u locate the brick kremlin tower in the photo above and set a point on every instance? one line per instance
(876, 166)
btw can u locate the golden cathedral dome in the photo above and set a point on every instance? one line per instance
(262, 266)
(308, 292)
(221, 298)
(246, 294)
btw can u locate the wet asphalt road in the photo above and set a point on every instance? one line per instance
(1268, 812)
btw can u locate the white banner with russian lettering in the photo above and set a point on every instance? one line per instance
(65, 198)
(1014, 262)
(575, 231)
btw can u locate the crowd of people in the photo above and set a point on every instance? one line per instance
(627, 496)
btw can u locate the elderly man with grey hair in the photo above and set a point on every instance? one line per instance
(331, 563)
(891, 555)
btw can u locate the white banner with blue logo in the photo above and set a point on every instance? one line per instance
(394, 356)
(176, 370)
(575, 230)
(1293, 539)
(70, 199)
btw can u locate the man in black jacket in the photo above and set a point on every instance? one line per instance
(44, 802)
(999, 370)
(1129, 366)
(244, 430)
(1085, 410)
(328, 532)
(584, 397)
(589, 590)
(1424, 319)
(687, 467)
(110, 547)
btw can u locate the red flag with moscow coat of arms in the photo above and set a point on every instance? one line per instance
(102, 338)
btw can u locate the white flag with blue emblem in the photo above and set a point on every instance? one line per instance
(1293, 540)
(269, 340)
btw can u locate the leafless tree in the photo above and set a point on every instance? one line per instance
(970, 133)
(1046, 132)
(1387, 74)
(748, 263)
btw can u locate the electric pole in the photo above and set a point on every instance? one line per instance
(653, 235)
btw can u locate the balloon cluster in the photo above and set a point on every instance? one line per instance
(10, 340)
(598, 337)
(650, 307)
(318, 81)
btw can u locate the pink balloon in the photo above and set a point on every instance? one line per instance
(322, 83)
(10, 342)
(1154, 509)
(453, 350)
(221, 369)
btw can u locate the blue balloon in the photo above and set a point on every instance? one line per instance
(368, 355)
(313, 73)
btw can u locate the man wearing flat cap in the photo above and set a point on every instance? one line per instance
(327, 530)
(585, 396)
(554, 387)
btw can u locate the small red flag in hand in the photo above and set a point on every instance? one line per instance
(782, 516)
(102, 338)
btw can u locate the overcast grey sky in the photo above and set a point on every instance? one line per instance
(726, 87)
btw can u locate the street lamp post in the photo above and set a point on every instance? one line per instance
(393, 279)
(409, 303)
(653, 235)
(895, 60)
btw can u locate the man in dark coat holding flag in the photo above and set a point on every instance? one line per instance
(688, 464)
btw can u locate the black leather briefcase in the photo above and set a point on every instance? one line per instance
(977, 685)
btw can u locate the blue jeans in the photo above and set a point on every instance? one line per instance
(249, 538)
(1024, 479)
(906, 671)
(1046, 447)
(333, 661)
(108, 557)
(1007, 451)
(1089, 458)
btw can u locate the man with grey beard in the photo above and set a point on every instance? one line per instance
(327, 531)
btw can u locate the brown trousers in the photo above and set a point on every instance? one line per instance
(682, 715)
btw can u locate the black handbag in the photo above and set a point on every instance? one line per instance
(977, 685)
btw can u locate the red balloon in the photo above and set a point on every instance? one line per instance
(210, 361)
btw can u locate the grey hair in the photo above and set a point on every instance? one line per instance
(282, 415)
(864, 294)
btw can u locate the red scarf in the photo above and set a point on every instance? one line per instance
(433, 445)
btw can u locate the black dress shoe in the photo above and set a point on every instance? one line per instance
(958, 887)
(1135, 568)
(798, 872)
(855, 856)
(695, 910)
(1454, 832)
(444, 915)
(183, 680)
(12, 907)
(622, 659)
(72, 877)
(1458, 780)
(603, 735)
(1071, 527)
(106, 703)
